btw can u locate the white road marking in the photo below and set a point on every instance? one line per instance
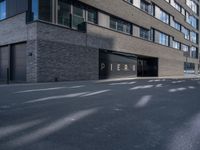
(187, 136)
(56, 97)
(123, 83)
(95, 93)
(49, 89)
(78, 86)
(181, 89)
(141, 87)
(51, 128)
(177, 90)
(143, 101)
(8, 130)
(39, 90)
(180, 81)
(154, 81)
(159, 85)
(191, 87)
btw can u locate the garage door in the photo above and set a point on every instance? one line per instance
(116, 65)
(18, 62)
(4, 62)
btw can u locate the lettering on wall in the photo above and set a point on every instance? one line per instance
(119, 67)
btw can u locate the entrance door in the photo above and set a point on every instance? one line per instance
(18, 62)
(4, 62)
(147, 67)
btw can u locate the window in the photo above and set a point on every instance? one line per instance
(189, 67)
(34, 10)
(144, 33)
(192, 5)
(145, 6)
(161, 38)
(193, 37)
(64, 11)
(161, 15)
(2, 9)
(184, 48)
(41, 9)
(129, 1)
(92, 16)
(67, 13)
(176, 5)
(120, 25)
(176, 25)
(186, 32)
(193, 52)
(45, 10)
(183, 11)
(78, 16)
(191, 20)
(176, 44)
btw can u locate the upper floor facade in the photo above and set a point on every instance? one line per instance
(170, 23)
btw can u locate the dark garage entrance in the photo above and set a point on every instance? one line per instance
(4, 62)
(147, 67)
(116, 65)
(13, 57)
(18, 62)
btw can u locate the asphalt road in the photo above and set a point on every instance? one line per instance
(161, 114)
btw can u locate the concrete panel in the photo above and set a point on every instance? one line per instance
(13, 30)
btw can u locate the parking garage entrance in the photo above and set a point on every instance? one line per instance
(116, 65)
(147, 67)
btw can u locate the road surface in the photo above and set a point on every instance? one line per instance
(158, 114)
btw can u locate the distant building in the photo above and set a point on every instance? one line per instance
(60, 40)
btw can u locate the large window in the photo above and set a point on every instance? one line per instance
(193, 37)
(45, 10)
(192, 5)
(191, 20)
(78, 16)
(67, 13)
(92, 16)
(189, 67)
(186, 32)
(41, 9)
(161, 15)
(145, 6)
(144, 33)
(120, 25)
(2, 9)
(161, 38)
(129, 1)
(176, 44)
(64, 11)
(176, 5)
(184, 48)
(193, 52)
(176, 25)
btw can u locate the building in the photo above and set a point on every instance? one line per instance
(59, 40)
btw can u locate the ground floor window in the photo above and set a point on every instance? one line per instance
(189, 68)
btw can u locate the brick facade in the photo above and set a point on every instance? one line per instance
(58, 53)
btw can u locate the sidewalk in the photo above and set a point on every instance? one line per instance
(186, 76)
